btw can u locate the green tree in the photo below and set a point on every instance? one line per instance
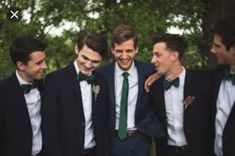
(102, 16)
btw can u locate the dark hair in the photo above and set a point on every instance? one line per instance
(173, 42)
(123, 33)
(23, 46)
(226, 30)
(96, 42)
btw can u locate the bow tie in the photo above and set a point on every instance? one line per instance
(82, 77)
(167, 84)
(27, 87)
(229, 76)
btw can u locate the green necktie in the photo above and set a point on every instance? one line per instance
(122, 131)
(167, 84)
(229, 76)
(82, 77)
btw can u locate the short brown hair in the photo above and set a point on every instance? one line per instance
(123, 33)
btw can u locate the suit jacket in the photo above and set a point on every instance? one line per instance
(15, 126)
(63, 116)
(197, 116)
(229, 129)
(145, 119)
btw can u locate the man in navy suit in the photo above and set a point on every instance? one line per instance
(21, 99)
(132, 120)
(75, 112)
(224, 49)
(182, 100)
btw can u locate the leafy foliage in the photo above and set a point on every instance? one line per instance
(100, 16)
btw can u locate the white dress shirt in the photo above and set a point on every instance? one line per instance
(175, 112)
(33, 101)
(132, 95)
(86, 93)
(225, 101)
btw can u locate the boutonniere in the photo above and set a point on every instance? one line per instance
(188, 101)
(96, 90)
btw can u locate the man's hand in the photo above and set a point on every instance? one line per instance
(150, 80)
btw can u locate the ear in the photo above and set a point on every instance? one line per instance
(20, 65)
(137, 49)
(76, 50)
(112, 50)
(175, 55)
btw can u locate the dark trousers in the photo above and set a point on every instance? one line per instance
(167, 150)
(131, 146)
(90, 152)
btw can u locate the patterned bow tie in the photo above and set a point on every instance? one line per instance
(167, 84)
(82, 77)
(229, 76)
(27, 87)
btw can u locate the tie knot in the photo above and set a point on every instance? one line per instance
(167, 84)
(27, 87)
(82, 77)
(229, 76)
(125, 74)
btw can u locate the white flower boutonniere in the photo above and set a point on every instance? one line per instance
(188, 101)
(96, 90)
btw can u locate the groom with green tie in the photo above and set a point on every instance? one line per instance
(131, 118)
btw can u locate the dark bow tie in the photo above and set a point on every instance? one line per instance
(167, 84)
(82, 77)
(27, 87)
(229, 76)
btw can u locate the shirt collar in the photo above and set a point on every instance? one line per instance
(21, 81)
(119, 71)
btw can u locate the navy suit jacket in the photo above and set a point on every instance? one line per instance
(63, 116)
(145, 119)
(15, 126)
(197, 117)
(229, 129)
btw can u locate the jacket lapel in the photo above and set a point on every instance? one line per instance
(140, 84)
(74, 86)
(18, 95)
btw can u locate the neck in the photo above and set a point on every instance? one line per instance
(174, 72)
(24, 76)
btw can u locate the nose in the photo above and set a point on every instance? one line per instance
(44, 65)
(124, 55)
(213, 51)
(153, 60)
(88, 64)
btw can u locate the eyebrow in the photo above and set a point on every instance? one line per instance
(95, 61)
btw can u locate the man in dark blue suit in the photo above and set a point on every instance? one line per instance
(21, 99)
(224, 50)
(75, 112)
(132, 120)
(182, 100)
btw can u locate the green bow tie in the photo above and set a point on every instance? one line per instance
(229, 76)
(167, 84)
(82, 77)
(27, 87)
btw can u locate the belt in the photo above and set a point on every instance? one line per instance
(131, 133)
(178, 149)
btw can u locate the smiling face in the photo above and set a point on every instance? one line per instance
(35, 67)
(163, 59)
(87, 60)
(124, 54)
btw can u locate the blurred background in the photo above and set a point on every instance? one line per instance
(59, 23)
